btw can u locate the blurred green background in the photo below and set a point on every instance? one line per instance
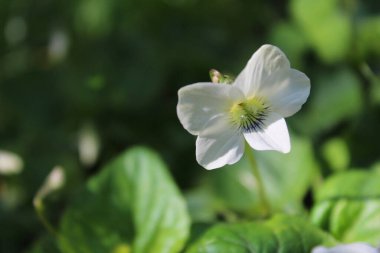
(81, 80)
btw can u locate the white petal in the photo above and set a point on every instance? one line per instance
(216, 151)
(347, 248)
(274, 136)
(288, 93)
(266, 62)
(202, 106)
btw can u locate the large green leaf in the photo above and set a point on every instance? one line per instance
(132, 203)
(349, 206)
(286, 178)
(283, 234)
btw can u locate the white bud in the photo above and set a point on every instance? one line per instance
(10, 163)
(58, 46)
(88, 145)
(215, 76)
(53, 182)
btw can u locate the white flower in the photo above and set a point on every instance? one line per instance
(253, 108)
(347, 248)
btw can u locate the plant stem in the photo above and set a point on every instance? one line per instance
(260, 185)
(39, 208)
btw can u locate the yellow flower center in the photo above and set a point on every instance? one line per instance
(249, 115)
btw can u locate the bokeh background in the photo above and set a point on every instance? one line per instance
(82, 80)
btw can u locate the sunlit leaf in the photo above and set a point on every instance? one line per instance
(349, 207)
(291, 40)
(336, 153)
(334, 98)
(93, 17)
(369, 32)
(326, 26)
(281, 234)
(132, 203)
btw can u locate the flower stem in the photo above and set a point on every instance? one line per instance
(260, 185)
(40, 211)
(39, 208)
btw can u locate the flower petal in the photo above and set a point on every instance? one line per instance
(202, 106)
(347, 248)
(267, 61)
(286, 96)
(218, 150)
(274, 136)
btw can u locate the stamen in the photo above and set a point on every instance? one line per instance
(249, 115)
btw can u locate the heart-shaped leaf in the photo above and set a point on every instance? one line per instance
(131, 204)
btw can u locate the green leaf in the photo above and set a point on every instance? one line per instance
(283, 234)
(201, 204)
(93, 17)
(336, 153)
(368, 32)
(132, 203)
(351, 184)
(325, 25)
(349, 207)
(291, 40)
(236, 188)
(335, 98)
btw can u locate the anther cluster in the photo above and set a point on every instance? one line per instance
(249, 115)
